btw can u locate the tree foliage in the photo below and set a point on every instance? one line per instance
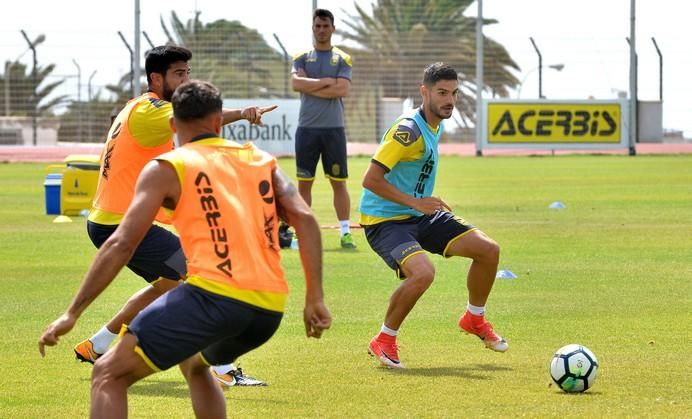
(89, 120)
(398, 38)
(235, 58)
(21, 87)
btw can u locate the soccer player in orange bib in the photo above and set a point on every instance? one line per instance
(226, 200)
(140, 132)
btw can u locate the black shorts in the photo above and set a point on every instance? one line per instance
(159, 255)
(330, 143)
(188, 319)
(396, 240)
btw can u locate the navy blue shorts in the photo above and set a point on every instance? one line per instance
(188, 319)
(330, 143)
(159, 255)
(395, 240)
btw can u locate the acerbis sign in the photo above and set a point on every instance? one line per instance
(555, 124)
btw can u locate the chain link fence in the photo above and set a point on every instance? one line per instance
(390, 42)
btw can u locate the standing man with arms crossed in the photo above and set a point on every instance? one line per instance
(323, 78)
(226, 200)
(140, 132)
(402, 219)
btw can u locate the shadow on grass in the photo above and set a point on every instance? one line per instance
(588, 393)
(475, 372)
(340, 250)
(159, 388)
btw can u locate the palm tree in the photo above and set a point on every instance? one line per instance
(233, 57)
(400, 37)
(95, 114)
(21, 89)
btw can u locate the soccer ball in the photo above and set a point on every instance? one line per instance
(573, 368)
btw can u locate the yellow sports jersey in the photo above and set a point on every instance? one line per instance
(402, 142)
(148, 127)
(150, 122)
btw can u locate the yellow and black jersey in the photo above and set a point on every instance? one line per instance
(403, 142)
(140, 132)
(150, 122)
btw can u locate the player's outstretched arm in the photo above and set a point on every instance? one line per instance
(152, 190)
(252, 114)
(293, 209)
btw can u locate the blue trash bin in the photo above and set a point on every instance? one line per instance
(52, 186)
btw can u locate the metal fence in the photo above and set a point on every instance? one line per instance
(74, 85)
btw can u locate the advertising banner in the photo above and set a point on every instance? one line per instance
(556, 124)
(277, 134)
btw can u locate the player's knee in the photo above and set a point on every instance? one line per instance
(100, 377)
(422, 277)
(491, 252)
(193, 366)
(339, 185)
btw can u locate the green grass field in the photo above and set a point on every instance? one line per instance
(612, 271)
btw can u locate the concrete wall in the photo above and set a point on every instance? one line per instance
(650, 121)
(21, 128)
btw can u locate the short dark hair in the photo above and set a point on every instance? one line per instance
(159, 59)
(195, 99)
(323, 14)
(438, 71)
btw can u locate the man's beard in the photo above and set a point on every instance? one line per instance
(437, 111)
(167, 92)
